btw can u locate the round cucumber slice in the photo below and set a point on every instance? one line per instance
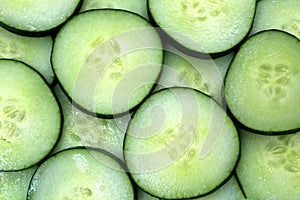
(180, 144)
(107, 60)
(208, 26)
(30, 118)
(77, 174)
(262, 86)
(269, 167)
(276, 14)
(36, 17)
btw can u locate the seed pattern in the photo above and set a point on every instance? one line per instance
(283, 153)
(293, 27)
(190, 77)
(105, 53)
(11, 115)
(8, 49)
(273, 79)
(182, 146)
(202, 9)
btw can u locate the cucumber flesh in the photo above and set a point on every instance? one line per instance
(205, 75)
(276, 14)
(30, 118)
(208, 26)
(177, 71)
(136, 6)
(14, 185)
(36, 52)
(81, 129)
(174, 147)
(77, 174)
(230, 190)
(262, 87)
(35, 17)
(109, 64)
(269, 166)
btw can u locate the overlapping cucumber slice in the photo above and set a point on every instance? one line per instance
(269, 167)
(36, 17)
(262, 86)
(108, 60)
(180, 144)
(80, 173)
(30, 118)
(208, 26)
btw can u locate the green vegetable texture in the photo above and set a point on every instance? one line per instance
(149, 99)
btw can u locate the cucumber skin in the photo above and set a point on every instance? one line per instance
(233, 117)
(232, 173)
(72, 137)
(48, 32)
(118, 160)
(166, 38)
(118, 5)
(255, 192)
(61, 117)
(16, 184)
(116, 115)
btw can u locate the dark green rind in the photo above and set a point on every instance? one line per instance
(43, 33)
(258, 184)
(99, 115)
(14, 185)
(61, 118)
(120, 162)
(233, 117)
(232, 173)
(167, 39)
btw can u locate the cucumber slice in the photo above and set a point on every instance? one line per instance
(277, 14)
(262, 86)
(136, 6)
(36, 17)
(269, 166)
(177, 71)
(81, 129)
(80, 174)
(230, 190)
(208, 26)
(14, 185)
(36, 52)
(107, 60)
(180, 144)
(205, 75)
(30, 118)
